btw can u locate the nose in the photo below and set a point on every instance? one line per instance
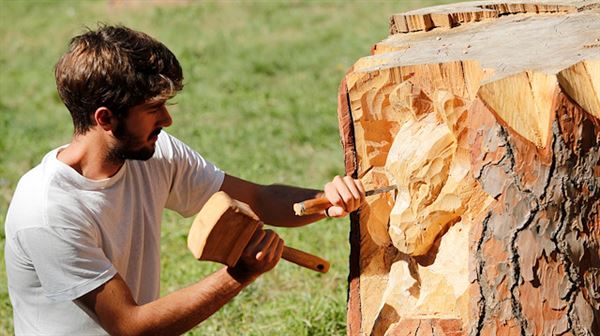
(166, 119)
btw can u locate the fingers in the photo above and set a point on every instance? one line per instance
(345, 193)
(262, 253)
(267, 245)
(279, 250)
(255, 240)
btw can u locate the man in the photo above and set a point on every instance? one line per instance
(83, 227)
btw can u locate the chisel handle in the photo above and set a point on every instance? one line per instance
(312, 206)
(319, 205)
(304, 259)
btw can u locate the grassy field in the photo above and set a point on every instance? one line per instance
(259, 101)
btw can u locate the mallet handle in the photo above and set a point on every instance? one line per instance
(305, 259)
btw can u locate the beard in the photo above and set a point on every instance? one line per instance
(129, 146)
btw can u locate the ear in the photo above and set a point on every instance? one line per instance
(104, 118)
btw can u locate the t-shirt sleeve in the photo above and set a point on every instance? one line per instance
(194, 179)
(69, 262)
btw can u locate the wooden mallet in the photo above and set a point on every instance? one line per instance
(223, 228)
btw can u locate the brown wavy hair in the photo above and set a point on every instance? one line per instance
(117, 68)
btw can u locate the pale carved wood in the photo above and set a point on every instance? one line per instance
(486, 116)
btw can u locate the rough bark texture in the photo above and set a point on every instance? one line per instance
(536, 259)
(495, 226)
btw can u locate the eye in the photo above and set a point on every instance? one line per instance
(156, 109)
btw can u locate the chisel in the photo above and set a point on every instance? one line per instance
(318, 205)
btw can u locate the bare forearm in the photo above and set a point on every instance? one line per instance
(173, 314)
(181, 310)
(275, 205)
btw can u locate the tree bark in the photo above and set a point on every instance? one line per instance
(492, 135)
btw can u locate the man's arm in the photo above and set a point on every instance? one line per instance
(174, 314)
(274, 203)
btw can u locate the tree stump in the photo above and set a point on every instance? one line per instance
(486, 115)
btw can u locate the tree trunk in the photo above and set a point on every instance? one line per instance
(486, 115)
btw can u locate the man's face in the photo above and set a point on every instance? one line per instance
(136, 135)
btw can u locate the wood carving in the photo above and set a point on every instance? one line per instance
(486, 115)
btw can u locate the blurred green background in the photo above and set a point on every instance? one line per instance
(260, 101)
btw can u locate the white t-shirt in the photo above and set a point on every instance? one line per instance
(67, 235)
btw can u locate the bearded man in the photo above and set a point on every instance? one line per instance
(83, 227)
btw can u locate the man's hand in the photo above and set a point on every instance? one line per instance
(261, 255)
(345, 193)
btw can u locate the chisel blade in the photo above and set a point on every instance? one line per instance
(380, 190)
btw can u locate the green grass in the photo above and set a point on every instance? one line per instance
(259, 100)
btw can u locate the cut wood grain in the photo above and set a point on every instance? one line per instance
(449, 16)
(581, 82)
(524, 102)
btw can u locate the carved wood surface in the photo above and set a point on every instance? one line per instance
(489, 125)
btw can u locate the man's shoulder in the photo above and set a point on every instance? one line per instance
(31, 199)
(33, 183)
(40, 171)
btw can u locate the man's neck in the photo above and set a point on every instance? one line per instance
(88, 155)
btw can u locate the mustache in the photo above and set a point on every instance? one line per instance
(156, 132)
